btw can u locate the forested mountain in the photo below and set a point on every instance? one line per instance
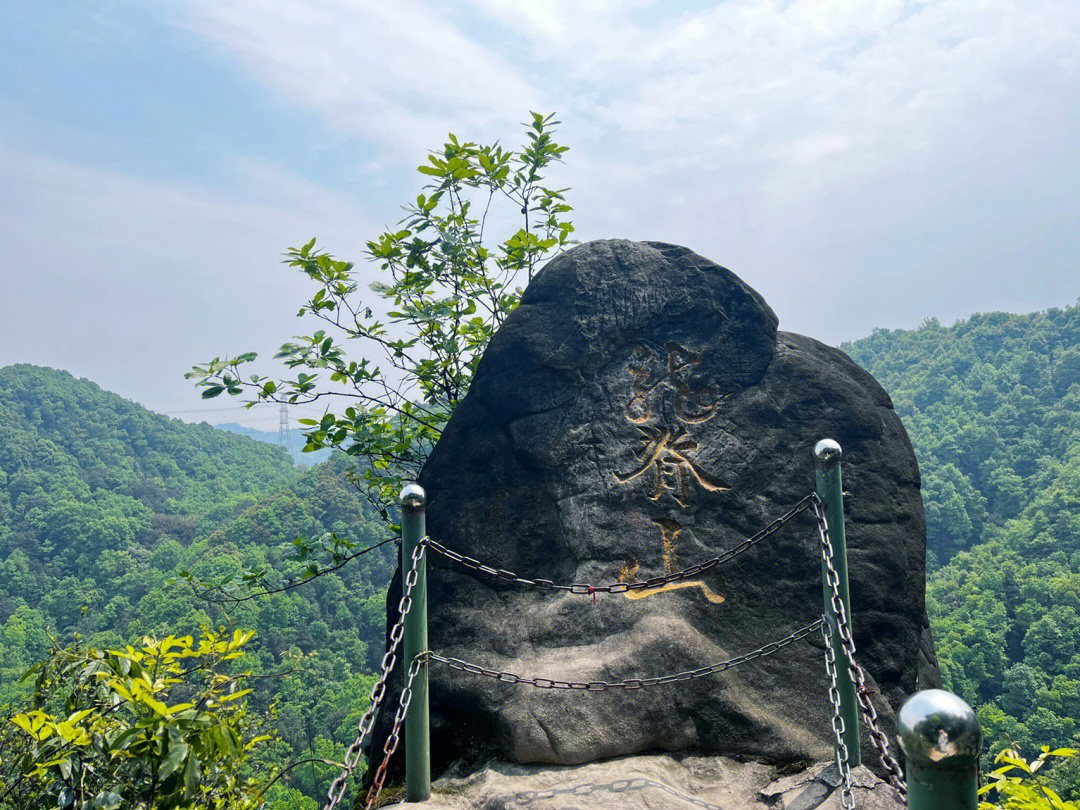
(103, 503)
(992, 405)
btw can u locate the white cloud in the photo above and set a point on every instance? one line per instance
(863, 164)
(819, 147)
(130, 282)
(399, 73)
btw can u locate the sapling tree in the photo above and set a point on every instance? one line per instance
(1016, 783)
(390, 360)
(160, 725)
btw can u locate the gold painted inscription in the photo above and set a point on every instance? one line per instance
(669, 535)
(666, 454)
(665, 460)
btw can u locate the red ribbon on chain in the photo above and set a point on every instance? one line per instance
(592, 593)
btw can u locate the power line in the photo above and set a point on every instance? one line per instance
(229, 409)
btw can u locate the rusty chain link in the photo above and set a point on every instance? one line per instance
(847, 798)
(878, 739)
(503, 575)
(631, 683)
(378, 691)
(392, 740)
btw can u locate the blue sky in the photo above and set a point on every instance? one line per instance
(863, 163)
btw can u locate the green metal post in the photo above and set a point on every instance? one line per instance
(941, 739)
(415, 641)
(830, 488)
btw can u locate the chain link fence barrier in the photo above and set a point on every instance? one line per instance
(501, 574)
(391, 744)
(631, 683)
(827, 627)
(355, 752)
(878, 739)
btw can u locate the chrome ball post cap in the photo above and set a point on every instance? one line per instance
(412, 497)
(828, 450)
(937, 727)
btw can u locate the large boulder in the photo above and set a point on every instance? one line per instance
(638, 413)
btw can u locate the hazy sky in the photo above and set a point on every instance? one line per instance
(862, 164)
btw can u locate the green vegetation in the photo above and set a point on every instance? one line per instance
(117, 523)
(445, 287)
(1017, 784)
(163, 725)
(114, 520)
(103, 505)
(992, 405)
(296, 439)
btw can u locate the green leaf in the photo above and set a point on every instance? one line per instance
(125, 738)
(174, 760)
(191, 777)
(23, 722)
(107, 800)
(235, 695)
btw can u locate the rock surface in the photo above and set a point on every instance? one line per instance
(638, 413)
(650, 782)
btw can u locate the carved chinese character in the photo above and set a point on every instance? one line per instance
(692, 405)
(665, 454)
(669, 530)
(665, 400)
(643, 368)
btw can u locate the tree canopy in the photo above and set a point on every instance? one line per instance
(104, 504)
(992, 405)
(399, 357)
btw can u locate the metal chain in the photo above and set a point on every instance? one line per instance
(378, 691)
(847, 798)
(632, 683)
(878, 738)
(527, 797)
(503, 575)
(392, 740)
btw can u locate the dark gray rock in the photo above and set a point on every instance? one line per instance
(639, 413)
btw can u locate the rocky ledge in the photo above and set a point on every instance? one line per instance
(665, 781)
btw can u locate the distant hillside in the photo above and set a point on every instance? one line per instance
(296, 438)
(102, 503)
(79, 462)
(992, 405)
(991, 408)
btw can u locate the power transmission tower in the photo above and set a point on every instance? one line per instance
(284, 438)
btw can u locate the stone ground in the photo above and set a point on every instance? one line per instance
(653, 782)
